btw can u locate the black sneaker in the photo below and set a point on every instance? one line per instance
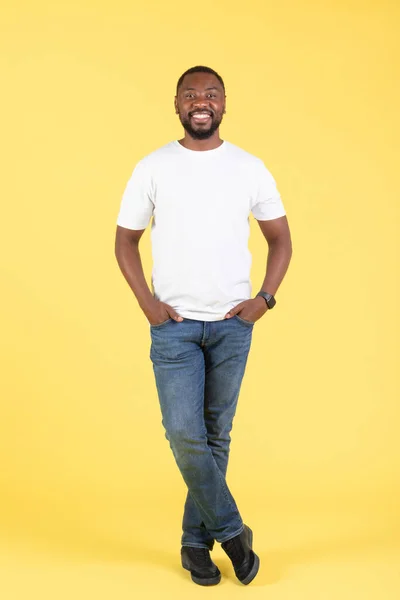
(245, 562)
(200, 565)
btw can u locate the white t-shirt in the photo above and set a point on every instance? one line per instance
(200, 202)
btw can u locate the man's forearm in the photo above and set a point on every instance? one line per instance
(279, 255)
(130, 263)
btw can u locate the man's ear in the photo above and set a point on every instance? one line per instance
(176, 105)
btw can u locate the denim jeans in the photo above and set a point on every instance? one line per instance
(198, 367)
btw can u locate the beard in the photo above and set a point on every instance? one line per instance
(200, 134)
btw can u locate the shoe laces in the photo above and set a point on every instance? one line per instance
(201, 555)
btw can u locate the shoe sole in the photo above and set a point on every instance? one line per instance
(256, 565)
(202, 580)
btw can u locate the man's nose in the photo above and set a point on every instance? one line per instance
(200, 103)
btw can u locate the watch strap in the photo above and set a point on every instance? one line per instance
(269, 299)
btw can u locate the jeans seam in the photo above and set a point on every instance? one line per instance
(224, 489)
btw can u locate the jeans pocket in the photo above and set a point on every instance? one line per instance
(161, 324)
(247, 323)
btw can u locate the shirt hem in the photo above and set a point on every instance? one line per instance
(201, 316)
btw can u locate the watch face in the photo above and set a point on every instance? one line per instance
(269, 299)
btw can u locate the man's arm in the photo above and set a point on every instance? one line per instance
(129, 261)
(277, 234)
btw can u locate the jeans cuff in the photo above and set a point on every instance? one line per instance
(232, 535)
(195, 545)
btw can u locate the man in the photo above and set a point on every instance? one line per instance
(200, 191)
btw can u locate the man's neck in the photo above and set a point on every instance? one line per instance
(201, 145)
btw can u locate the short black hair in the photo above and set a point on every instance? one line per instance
(199, 69)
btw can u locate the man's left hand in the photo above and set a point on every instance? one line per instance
(249, 310)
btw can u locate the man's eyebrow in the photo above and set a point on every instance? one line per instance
(209, 88)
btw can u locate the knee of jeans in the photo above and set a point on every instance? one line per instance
(182, 437)
(218, 434)
(219, 442)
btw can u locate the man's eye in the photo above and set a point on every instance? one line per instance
(211, 95)
(189, 95)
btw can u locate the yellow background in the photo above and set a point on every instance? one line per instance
(90, 497)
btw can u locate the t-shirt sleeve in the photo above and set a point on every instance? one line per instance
(266, 202)
(137, 204)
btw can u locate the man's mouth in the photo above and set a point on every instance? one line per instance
(201, 116)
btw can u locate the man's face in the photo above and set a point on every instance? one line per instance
(200, 104)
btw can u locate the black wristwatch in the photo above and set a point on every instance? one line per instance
(269, 299)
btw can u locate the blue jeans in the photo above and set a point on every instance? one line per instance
(198, 367)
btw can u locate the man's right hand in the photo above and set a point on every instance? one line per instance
(159, 312)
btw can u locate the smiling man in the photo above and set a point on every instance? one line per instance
(200, 191)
